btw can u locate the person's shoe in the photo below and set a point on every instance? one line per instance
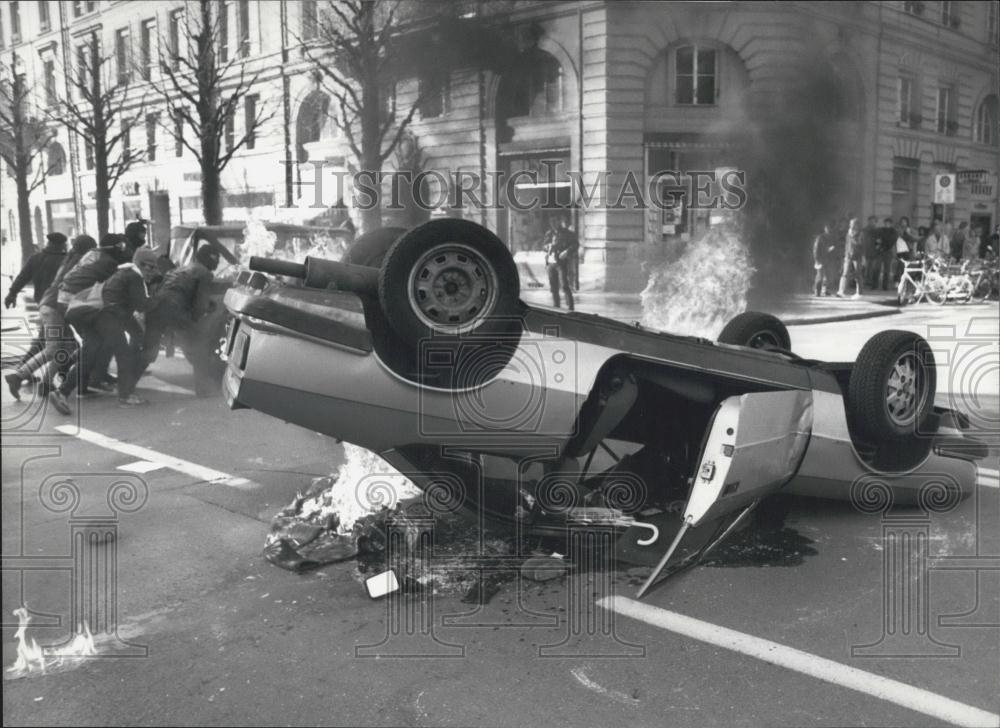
(839, 295)
(14, 384)
(856, 296)
(58, 400)
(132, 401)
(104, 387)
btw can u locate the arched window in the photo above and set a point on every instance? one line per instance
(696, 77)
(56, 159)
(312, 120)
(985, 126)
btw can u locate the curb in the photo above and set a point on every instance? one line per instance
(802, 321)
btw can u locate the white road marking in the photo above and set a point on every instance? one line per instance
(199, 472)
(989, 478)
(615, 695)
(883, 688)
(141, 466)
(155, 384)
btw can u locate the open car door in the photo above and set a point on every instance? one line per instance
(753, 447)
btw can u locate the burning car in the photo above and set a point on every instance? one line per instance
(418, 347)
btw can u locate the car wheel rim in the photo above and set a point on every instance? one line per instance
(763, 339)
(452, 288)
(905, 391)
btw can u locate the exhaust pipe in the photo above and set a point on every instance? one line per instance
(322, 273)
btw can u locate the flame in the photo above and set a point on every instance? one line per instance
(259, 241)
(698, 292)
(32, 659)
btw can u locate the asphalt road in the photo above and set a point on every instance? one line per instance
(211, 634)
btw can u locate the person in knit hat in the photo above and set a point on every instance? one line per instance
(115, 330)
(58, 344)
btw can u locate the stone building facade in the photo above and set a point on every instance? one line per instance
(891, 93)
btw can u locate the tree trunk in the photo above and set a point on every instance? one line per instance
(102, 195)
(24, 214)
(211, 195)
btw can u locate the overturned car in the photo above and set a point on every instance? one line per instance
(418, 347)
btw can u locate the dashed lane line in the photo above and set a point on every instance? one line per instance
(883, 688)
(199, 472)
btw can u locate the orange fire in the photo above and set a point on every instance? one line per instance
(32, 659)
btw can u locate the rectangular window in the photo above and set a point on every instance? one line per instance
(310, 19)
(81, 66)
(178, 133)
(148, 47)
(244, 28)
(435, 95)
(77, 8)
(123, 56)
(88, 154)
(945, 114)
(176, 21)
(230, 132)
(51, 97)
(44, 19)
(15, 23)
(126, 139)
(695, 77)
(224, 31)
(249, 118)
(948, 15)
(151, 121)
(904, 102)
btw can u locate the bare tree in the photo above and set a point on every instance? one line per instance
(204, 83)
(95, 109)
(24, 138)
(355, 54)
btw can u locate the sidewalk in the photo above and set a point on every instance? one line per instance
(798, 310)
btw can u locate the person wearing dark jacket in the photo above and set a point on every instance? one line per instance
(180, 303)
(58, 342)
(824, 260)
(124, 293)
(885, 256)
(853, 254)
(40, 269)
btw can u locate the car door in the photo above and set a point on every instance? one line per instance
(753, 447)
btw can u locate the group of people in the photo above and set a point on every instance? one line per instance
(873, 256)
(97, 291)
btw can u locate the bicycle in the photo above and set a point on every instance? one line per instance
(922, 278)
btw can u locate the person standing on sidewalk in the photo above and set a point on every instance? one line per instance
(936, 245)
(59, 344)
(869, 239)
(853, 254)
(956, 246)
(885, 255)
(824, 259)
(560, 243)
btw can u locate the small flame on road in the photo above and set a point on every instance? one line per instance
(32, 659)
(697, 293)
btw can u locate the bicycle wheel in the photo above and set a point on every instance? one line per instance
(936, 288)
(961, 291)
(907, 292)
(981, 289)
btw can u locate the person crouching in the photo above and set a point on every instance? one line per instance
(124, 293)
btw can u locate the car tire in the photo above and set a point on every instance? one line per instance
(370, 249)
(756, 331)
(891, 391)
(449, 278)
